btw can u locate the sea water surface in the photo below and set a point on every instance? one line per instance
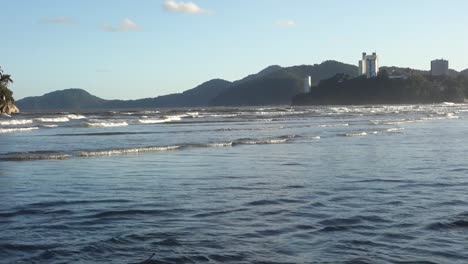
(328, 184)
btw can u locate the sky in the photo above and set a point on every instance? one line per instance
(129, 49)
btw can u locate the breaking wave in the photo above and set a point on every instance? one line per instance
(13, 130)
(223, 144)
(125, 151)
(49, 126)
(223, 115)
(16, 122)
(34, 155)
(52, 119)
(248, 141)
(168, 119)
(57, 155)
(357, 134)
(333, 125)
(76, 117)
(396, 129)
(107, 124)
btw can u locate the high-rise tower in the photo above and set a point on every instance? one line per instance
(369, 65)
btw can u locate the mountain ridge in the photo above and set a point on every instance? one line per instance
(273, 85)
(280, 86)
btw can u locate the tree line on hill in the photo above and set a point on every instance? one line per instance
(385, 89)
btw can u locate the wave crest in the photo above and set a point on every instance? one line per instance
(168, 119)
(114, 152)
(16, 122)
(76, 117)
(52, 119)
(107, 124)
(13, 130)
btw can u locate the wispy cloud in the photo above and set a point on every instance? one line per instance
(58, 20)
(183, 7)
(285, 23)
(126, 25)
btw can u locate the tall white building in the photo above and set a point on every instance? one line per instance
(369, 65)
(439, 67)
(307, 84)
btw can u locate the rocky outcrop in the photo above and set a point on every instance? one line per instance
(8, 107)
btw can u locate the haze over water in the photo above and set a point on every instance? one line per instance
(342, 184)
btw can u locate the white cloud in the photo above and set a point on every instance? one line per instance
(126, 25)
(58, 20)
(285, 23)
(182, 7)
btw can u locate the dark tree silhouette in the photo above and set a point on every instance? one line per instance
(5, 81)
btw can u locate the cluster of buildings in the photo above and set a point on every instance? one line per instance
(369, 67)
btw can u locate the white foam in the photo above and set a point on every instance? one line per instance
(15, 122)
(447, 116)
(224, 144)
(148, 112)
(280, 113)
(358, 134)
(263, 141)
(333, 125)
(50, 126)
(107, 124)
(52, 119)
(340, 109)
(396, 129)
(276, 141)
(125, 151)
(223, 115)
(452, 116)
(76, 117)
(193, 114)
(311, 137)
(13, 130)
(159, 121)
(400, 121)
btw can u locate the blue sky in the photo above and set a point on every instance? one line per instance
(128, 49)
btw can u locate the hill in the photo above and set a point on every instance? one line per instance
(417, 88)
(268, 70)
(76, 99)
(280, 85)
(198, 96)
(273, 85)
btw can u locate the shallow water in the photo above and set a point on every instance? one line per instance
(374, 184)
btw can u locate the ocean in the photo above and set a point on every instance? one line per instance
(318, 184)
